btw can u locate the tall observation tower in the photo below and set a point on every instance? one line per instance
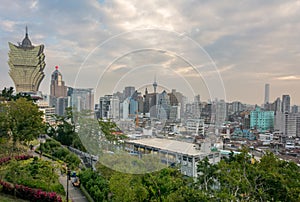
(26, 63)
(154, 84)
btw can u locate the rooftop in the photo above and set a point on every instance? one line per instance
(169, 145)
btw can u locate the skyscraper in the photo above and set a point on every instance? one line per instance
(81, 98)
(163, 108)
(277, 105)
(128, 92)
(57, 86)
(286, 103)
(58, 92)
(220, 112)
(267, 93)
(26, 63)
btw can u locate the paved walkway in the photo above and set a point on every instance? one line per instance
(75, 193)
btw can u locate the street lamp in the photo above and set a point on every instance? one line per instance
(68, 178)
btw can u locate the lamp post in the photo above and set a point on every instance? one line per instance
(68, 178)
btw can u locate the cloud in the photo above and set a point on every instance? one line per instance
(8, 25)
(34, 4)
(289, 78)
(249, 41)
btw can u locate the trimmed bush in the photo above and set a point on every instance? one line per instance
(18, 158)
(28, 193)
(7, 187)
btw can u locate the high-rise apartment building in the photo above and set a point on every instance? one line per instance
(295, 109)
(109, 107)
(27, 63)
(288, 124)
(163, 108)
(61, 104)
(104, 106)
(262, 120)
(277, 105)
(286, 103)
(220, 112)
(267, 93)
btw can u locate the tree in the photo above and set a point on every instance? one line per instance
(21, 120)
(269, 179)
(280, 179)
(7, 94)
(96, 185)
(111, 131)
(64, 131)
(134, 189)
(163, 184)
(88, 131)
(206, 175)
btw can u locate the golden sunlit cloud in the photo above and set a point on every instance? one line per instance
(285, 78)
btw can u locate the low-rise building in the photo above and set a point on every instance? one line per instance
(172, 152)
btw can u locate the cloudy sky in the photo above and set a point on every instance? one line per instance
(227, 50)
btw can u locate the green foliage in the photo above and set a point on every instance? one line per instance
(165, 185)
(33, 173)
(88, 131)
(64, 131)
(237, 179)
(135, 190)
(121, 161)
(20, 120)
(96, 185)
(108, 128)
(206, 175)
(55, 149)
(7, 95)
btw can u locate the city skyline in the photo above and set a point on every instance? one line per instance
(188, 45)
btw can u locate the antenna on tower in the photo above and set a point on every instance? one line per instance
(26, 31)
(155, 84)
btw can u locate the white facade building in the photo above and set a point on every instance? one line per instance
(184, 154)
(288, 123)
(195, 126)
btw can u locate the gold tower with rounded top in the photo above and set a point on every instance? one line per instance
(27, 63)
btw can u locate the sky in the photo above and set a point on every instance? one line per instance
(228, 50)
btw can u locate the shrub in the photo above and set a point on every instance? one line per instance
(7, 187)
(95, 185)
(18, 158)
(36, 194)
(4, 160)
(23, 157)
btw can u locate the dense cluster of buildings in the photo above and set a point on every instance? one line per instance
(159, 114)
